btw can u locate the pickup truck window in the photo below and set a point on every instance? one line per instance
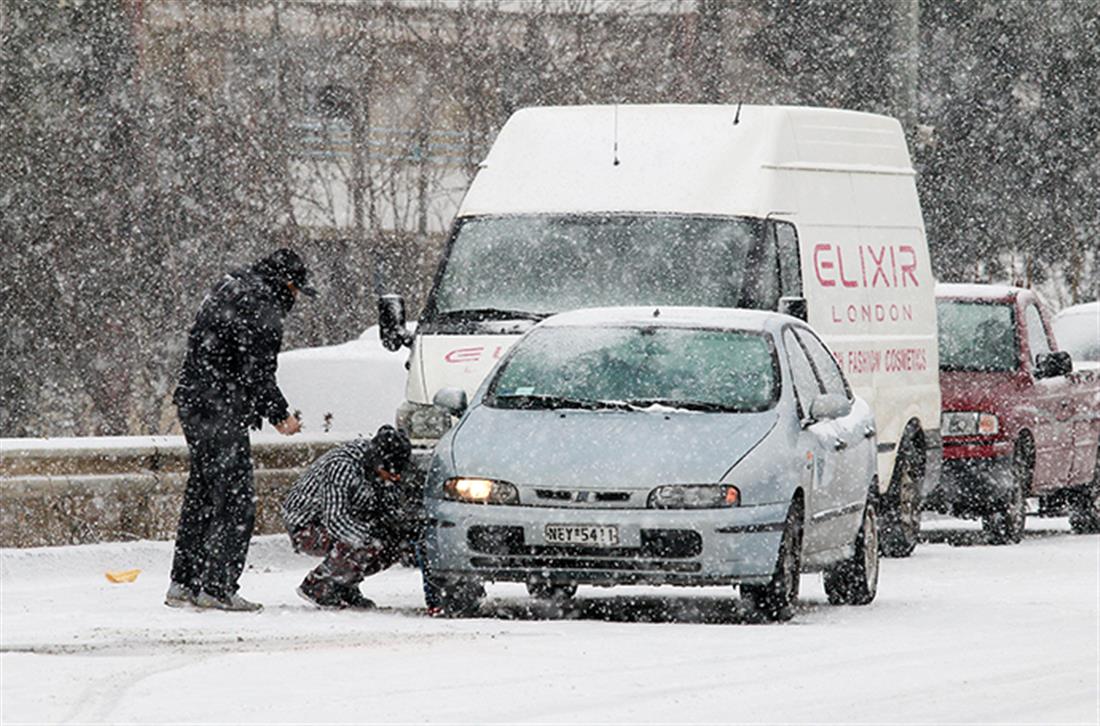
(1037, 341)
(977, 336)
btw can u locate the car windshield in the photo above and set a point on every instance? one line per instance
(542, 264)
(638, 367)
(1079, 333)
(977, 336)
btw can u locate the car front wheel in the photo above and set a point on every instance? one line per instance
(1005, 523)
(854, 581)
(776, 599)
(455, 596)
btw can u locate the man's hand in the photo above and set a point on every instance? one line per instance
(289, 425)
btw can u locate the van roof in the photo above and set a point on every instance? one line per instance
(976, 291)
(667, 315)
(671, 158)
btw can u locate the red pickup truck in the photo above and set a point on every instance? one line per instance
(1019, 418)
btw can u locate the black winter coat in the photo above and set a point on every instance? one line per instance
(232, 350)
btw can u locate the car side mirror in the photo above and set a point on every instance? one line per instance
(391, 322)
(1053, 365)
(451, 400)
(830, 405)
(793, 306)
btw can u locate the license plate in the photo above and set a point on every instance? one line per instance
(582, 534)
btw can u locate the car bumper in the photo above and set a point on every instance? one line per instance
(699, 547)
(973, 486)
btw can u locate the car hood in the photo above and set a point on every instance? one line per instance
(600, 449)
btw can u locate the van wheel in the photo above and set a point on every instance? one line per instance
(775, 601)
(901, 507)
(1085, 513)
(855, 580)
(1005, 523)
(546, 590)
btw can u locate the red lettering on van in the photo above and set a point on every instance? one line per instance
(840, 269)
(878, 260)
(464, 355)
(820, 265)
(909, 270)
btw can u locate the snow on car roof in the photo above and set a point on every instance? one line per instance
(670, 316)
(1089, 308)
(975, 290)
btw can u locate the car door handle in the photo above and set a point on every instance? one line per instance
(869, 431)
(840, 444)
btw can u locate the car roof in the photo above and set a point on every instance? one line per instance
(673, 316)
(1089, 308)
(977, 291)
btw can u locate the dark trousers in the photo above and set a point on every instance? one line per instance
(344, 564)
(219, 506)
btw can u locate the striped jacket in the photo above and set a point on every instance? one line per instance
(341, 493)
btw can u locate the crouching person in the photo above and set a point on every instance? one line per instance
(347, 508)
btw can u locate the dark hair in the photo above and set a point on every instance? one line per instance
(391, 449)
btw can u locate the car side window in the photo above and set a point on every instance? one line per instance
(806, 385)
(1037, 341)
(825, 365)
(790, 266)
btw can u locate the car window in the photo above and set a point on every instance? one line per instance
(806, 385)
(1036, 335)
(639, 366)
(825, 364)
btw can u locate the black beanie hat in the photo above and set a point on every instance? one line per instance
(286, 264)
(392, 449)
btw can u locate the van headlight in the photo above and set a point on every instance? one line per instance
(694, 496)
(480, 491)
(969, 423)
(422, 420)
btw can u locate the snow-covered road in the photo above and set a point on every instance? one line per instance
(959, 633)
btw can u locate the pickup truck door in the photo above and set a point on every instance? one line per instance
(1052, 399)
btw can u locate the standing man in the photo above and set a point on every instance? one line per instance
(347, 508)
(227, 386)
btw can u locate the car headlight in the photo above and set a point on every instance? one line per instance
(969, 423)
(694, 496)
(422, 420)
(480, 491)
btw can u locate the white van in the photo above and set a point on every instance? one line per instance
(810, 211)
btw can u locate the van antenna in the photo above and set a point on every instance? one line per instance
(615, 144)
(737, 116)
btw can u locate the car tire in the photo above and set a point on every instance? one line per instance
(899, 523)
(1005, 523)
(454, 596)
(854, 581)
(546, 590)
(775, 600)
(1085, 507)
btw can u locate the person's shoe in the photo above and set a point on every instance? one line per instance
(352, 598)
(321, 594)
(232, 603)
(179, 596)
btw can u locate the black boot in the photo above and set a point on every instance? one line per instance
(322, 593)
(353, 598)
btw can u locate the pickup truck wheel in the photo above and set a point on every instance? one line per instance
(1005, 523)
(855, 580)
(1085, 515)
(775, 601)
(900, 522)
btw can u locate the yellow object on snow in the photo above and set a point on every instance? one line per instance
(122, 575)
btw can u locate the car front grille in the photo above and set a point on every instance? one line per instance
(508, 550)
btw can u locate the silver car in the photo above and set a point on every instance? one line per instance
(681, 446)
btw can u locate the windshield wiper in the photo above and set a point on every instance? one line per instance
(530, 401)
(687, 405)
(491, 314)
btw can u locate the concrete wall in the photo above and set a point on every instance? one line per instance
(76, 491)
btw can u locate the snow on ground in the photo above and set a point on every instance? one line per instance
(960, 632)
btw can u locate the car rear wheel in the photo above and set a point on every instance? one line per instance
(1005, 523)
(776, 599)
(901, 508)
(547, 590)
(855, 580)
(1085, 514)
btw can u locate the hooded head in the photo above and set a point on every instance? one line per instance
(287, 273)
(391, 449)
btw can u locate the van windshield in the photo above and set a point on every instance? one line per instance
(543, 264)
(977, 336)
